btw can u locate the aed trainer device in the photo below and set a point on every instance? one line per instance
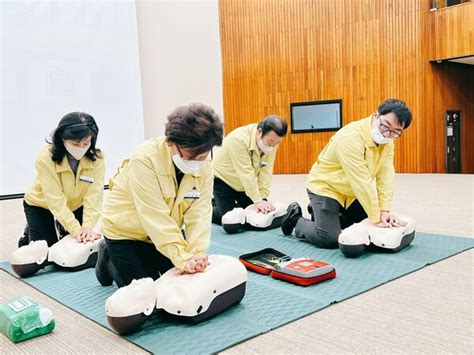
(301, 271)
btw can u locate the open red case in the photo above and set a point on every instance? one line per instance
(301, 271)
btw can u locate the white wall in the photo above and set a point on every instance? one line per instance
(63, 56)
(180, 57)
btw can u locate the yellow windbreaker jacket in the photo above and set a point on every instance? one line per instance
(146, 204)
(57, 189)
(352, 166)
(240, 165)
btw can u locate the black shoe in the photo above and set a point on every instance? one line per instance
(310, 211)
(293, 214)
(101, 267)
(25, 238)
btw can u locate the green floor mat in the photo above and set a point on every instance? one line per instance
(268, 303)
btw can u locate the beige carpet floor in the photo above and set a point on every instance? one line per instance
(429, 311)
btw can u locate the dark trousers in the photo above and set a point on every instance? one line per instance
(41, 225)
(329, 219)
(134, 259)
(226, 199)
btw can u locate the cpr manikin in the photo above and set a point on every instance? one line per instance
(193, 297)
(67, 253)
(236, 219)
(354, 240)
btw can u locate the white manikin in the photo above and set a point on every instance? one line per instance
(234, 220)
(354, 239)
(195, 297)
(67, 253)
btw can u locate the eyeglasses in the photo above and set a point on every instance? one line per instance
(208, 158)
(385, 129)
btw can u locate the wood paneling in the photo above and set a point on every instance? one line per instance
(453, 30)
(452, 78)
(279, 51)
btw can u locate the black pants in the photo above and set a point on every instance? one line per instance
(134, 259)
(226, 199)
(329, 218)
(41, 225)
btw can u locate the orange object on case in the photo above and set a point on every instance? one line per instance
(259, 269)
(301, 280)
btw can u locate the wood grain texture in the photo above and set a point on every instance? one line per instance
(275, 52)
(453, 28)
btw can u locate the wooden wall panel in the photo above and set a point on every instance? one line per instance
(275, 52)
(453, 28)
(449, 78)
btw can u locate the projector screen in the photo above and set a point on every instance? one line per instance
(316, 116)
(64, 56)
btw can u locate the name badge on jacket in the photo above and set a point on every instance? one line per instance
(192, 195)
(87, 179)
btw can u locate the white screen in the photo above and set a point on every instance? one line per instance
(64, 56)
(321, 116)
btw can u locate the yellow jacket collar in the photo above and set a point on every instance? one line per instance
(366, 132)
(253, 139)
(84, 163)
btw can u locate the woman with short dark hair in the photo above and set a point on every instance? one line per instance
(69, 184)
(158, 213)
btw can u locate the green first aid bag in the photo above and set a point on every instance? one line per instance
(22, 318)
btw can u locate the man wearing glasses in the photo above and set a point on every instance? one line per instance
(353, 178)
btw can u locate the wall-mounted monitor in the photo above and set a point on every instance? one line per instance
(316, 116)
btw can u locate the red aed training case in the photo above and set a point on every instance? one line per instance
(301, 271)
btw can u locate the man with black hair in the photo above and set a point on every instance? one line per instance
(353, 178)
(243, 167)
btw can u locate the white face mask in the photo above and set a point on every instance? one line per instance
(186, 166)
(76, 152)
(378, 137)
(263, 147)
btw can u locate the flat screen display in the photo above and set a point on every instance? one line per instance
(316, 116)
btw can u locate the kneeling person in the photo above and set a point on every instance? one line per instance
(66, 195)
(353, 178)
(243, 167)
(158, 214)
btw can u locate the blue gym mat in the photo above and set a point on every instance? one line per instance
(268, 303)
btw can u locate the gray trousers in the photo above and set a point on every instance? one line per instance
(329, 218)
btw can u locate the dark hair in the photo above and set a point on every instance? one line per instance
(273, 123)
(195, 127)
(399, 108)
(75, 126)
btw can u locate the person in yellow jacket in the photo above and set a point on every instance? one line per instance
(353, 178)
(158, 212)
(69, 184)
(243, 167)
